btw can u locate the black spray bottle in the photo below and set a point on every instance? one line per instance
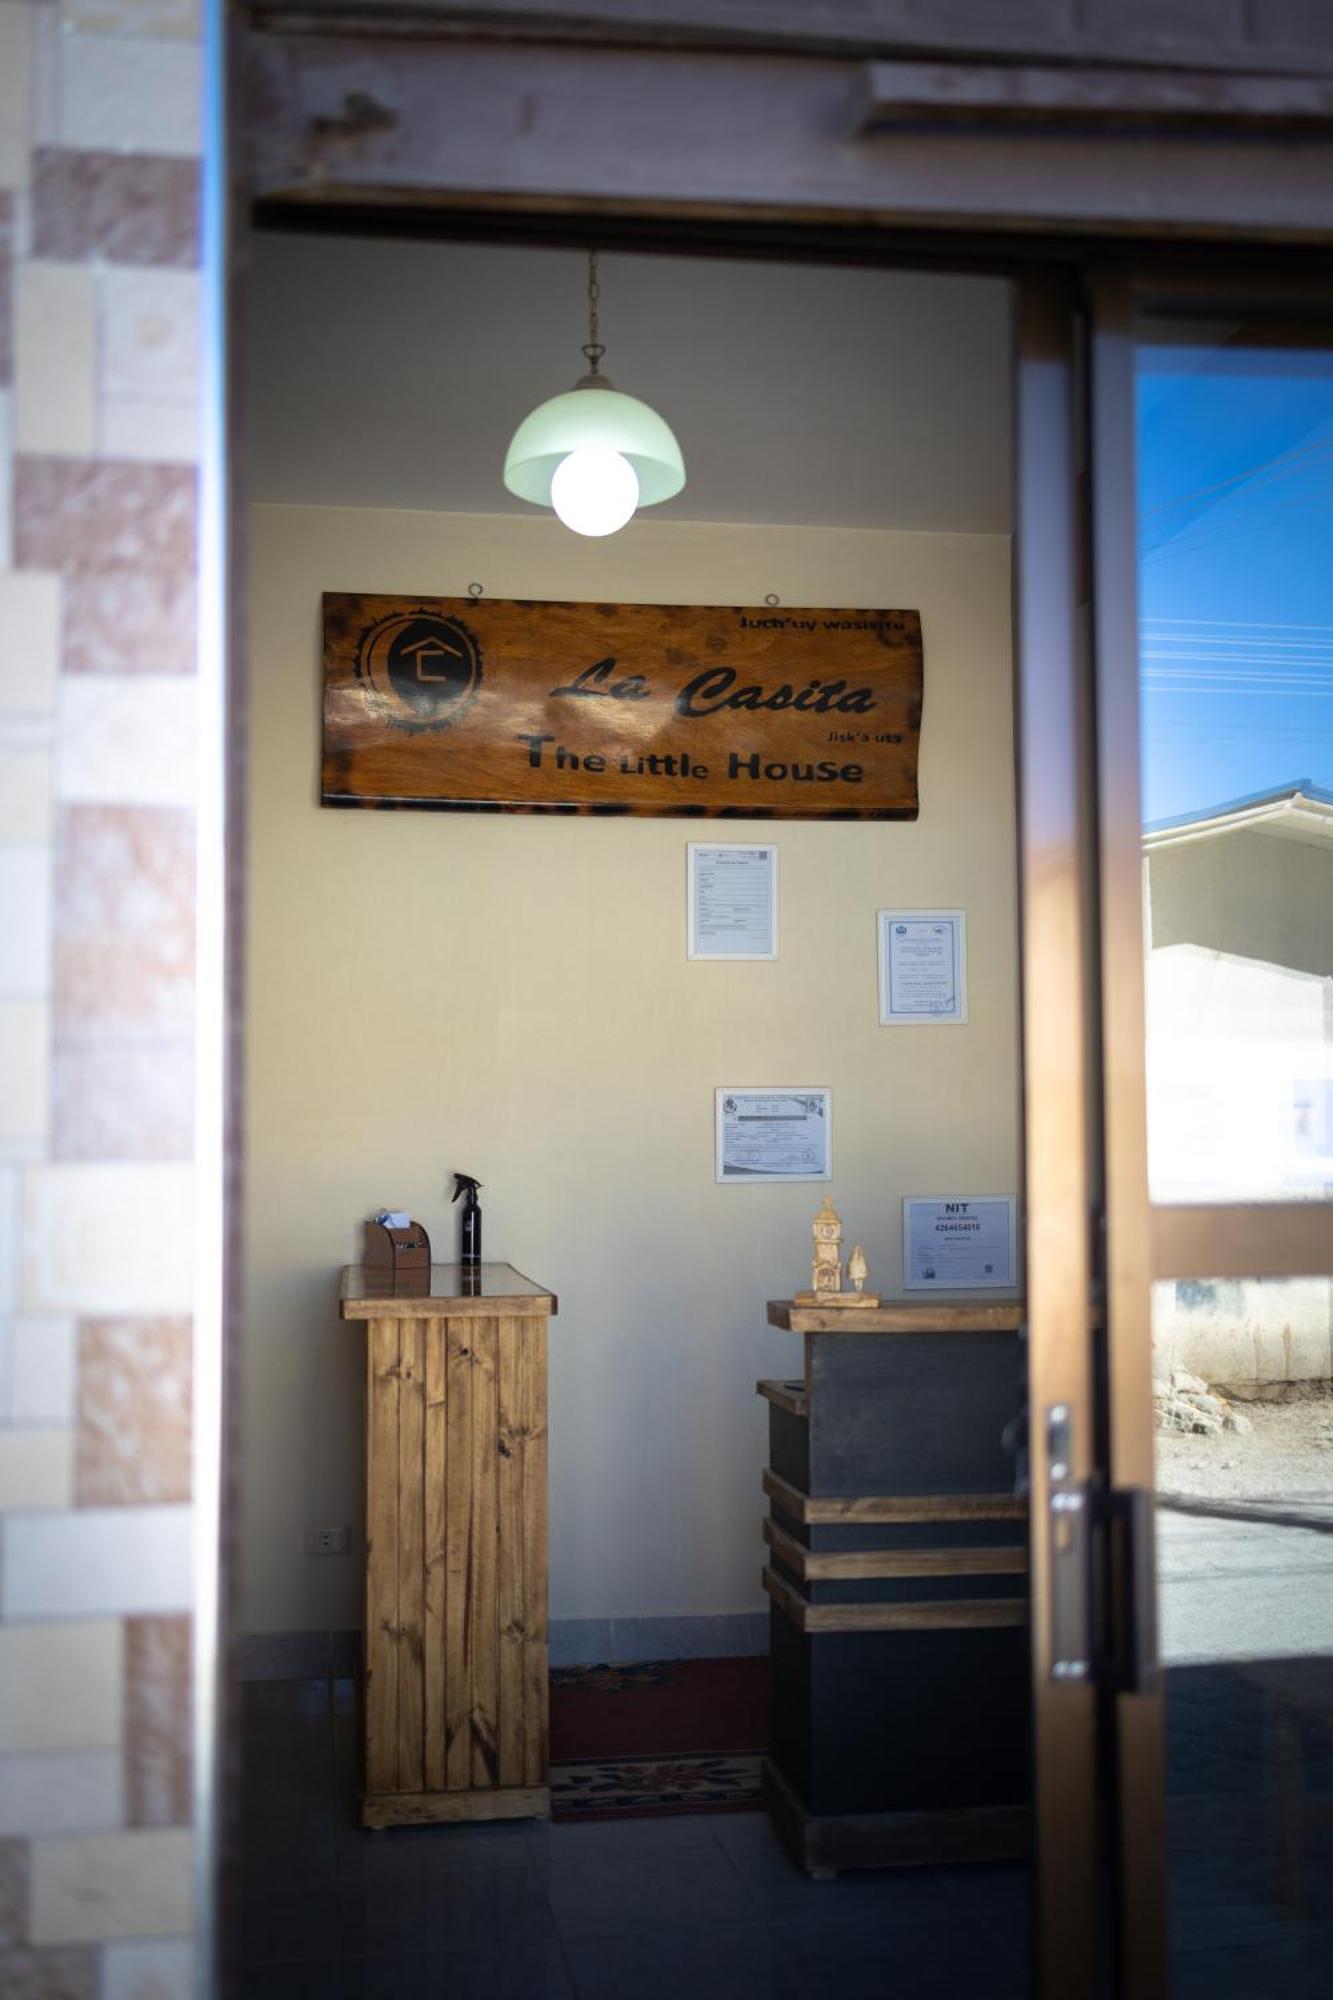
(470, 1255)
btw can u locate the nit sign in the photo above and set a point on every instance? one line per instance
(701, 711)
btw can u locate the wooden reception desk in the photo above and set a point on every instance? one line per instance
(897, 1575)
(456, 1703)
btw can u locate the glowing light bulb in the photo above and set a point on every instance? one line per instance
(595, 490)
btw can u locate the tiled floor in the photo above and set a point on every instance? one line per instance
(699, 1908)
(705, 1907)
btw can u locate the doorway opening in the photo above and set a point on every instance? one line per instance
(512, 995)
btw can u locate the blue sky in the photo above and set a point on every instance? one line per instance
(1235, 570)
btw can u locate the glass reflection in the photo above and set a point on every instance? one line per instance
(1245, 1541)
(1236, 668)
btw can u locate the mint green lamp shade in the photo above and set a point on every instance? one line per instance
(593, 417)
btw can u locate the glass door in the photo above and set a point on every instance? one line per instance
(1212, 448)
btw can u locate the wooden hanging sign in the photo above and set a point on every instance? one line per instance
(713, 711)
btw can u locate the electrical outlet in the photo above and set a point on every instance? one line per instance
(328, 1541)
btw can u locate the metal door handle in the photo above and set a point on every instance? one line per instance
(1070, 1610)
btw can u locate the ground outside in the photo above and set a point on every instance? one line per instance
(660, 1736)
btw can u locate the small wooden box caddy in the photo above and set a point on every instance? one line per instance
(397, 1260)
(456, 1699)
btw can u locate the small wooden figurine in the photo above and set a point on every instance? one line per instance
(826, 1266)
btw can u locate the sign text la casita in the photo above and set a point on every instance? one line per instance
(666, 709)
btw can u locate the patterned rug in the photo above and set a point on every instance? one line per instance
(657, 1737)
(644, 1787)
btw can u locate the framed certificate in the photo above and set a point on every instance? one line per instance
(773, 1135)
(732, 901)
(958, 1242)
(922, 968)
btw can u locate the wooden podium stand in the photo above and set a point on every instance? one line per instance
(456, 1699)
(897, 1574)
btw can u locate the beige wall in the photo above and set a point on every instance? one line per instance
(511, 996)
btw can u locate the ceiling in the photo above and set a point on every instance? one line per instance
(391, 374)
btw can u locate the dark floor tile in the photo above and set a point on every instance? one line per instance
(367, 1861)
(887, 1900)
(911, 1896)
(996, 1901)
(385, 1976)
(384, 1917)
(1231, 1921)
(531, 1972)
(1214, 1732)
(928, 1963)
(297, 1850)
(316, 1979)
(697, 1906)
(286, 1925)
(951, 1931)
(473, 1909)
(1236, 1868)
(743, 1963)
(455, 1912)
(469, 1850)
(658, 1910)
(651, 1839)
(618, 1896)
(1293, 1965)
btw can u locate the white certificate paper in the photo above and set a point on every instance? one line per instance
(733, 901)
(922, 967)
(773, 1135)
(953, 1242)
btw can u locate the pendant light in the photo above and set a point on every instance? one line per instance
(593, 454)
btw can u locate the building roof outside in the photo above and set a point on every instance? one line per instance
(1298, 810)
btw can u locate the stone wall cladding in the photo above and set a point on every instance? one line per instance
(99, 229)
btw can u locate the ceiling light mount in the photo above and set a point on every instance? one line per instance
(593, 349)
(594, 454)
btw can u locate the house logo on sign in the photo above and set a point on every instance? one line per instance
(424, 668)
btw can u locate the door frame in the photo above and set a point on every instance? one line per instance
(1082, 1142)
(1144, 1241)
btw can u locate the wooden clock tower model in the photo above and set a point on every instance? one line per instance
(826, 1268)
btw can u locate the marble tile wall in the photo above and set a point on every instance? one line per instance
(99, 315)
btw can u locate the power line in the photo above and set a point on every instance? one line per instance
(1233, 531)
(1295, 649)
(1278, 465)
(1236, 499)
(1255, 624)
(1241, 663)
